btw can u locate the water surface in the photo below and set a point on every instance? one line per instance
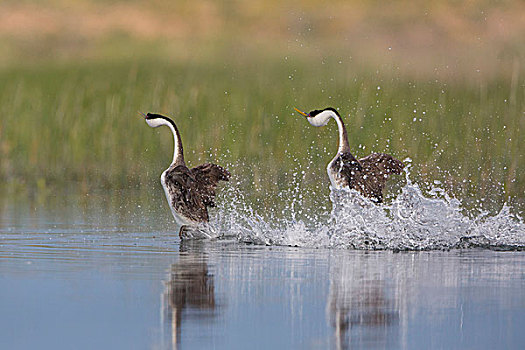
(73, 278)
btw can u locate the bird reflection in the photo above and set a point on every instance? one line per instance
(190, 290)
(359, 310)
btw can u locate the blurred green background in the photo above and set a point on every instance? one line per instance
(441, 82)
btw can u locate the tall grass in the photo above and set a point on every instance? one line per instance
(79, 122)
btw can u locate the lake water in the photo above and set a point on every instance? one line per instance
(90, 272)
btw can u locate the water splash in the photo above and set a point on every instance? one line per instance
(411, 221)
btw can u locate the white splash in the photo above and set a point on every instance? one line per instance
(412, 221)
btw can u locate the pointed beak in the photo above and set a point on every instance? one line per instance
(301, 112)
(142, 114)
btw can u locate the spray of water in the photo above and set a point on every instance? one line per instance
(411, 221)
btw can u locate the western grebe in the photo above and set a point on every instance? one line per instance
(367, 175)
(189, 191)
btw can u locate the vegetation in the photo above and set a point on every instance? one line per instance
(80, 122)
(69, 99)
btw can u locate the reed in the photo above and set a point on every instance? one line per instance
(75, 122)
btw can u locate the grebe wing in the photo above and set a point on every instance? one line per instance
(207, 176)
(185, 194)
(385, 163)
(377, 167)
(357, 175)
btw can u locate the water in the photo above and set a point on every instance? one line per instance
(106, 289)
(108, 270)
(410, 221)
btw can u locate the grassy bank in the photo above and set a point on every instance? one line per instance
(79, 122)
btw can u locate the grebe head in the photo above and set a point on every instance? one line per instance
(156, 120)
(320, 117)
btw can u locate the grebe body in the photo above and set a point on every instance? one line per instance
(367, 175)
(189, 191)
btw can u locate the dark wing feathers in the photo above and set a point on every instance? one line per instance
(207, 177)
(193, 190)
(384, 162)
(184, 198)
(211, 172)
(370, 176)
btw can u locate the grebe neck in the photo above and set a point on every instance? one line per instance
(343, 135)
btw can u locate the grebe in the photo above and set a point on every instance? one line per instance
(367, 175)
(189, 191)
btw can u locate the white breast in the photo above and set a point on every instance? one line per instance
(333, 176)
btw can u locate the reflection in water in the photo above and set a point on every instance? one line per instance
(189, 292)
(358, 307)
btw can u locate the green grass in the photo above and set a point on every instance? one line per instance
(78, 122)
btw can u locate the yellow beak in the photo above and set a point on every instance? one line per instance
(301, 112)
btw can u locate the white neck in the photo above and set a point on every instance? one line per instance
(322, 119)
(177, 144)
(342, 134)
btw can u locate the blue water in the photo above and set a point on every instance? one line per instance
(83, 276)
